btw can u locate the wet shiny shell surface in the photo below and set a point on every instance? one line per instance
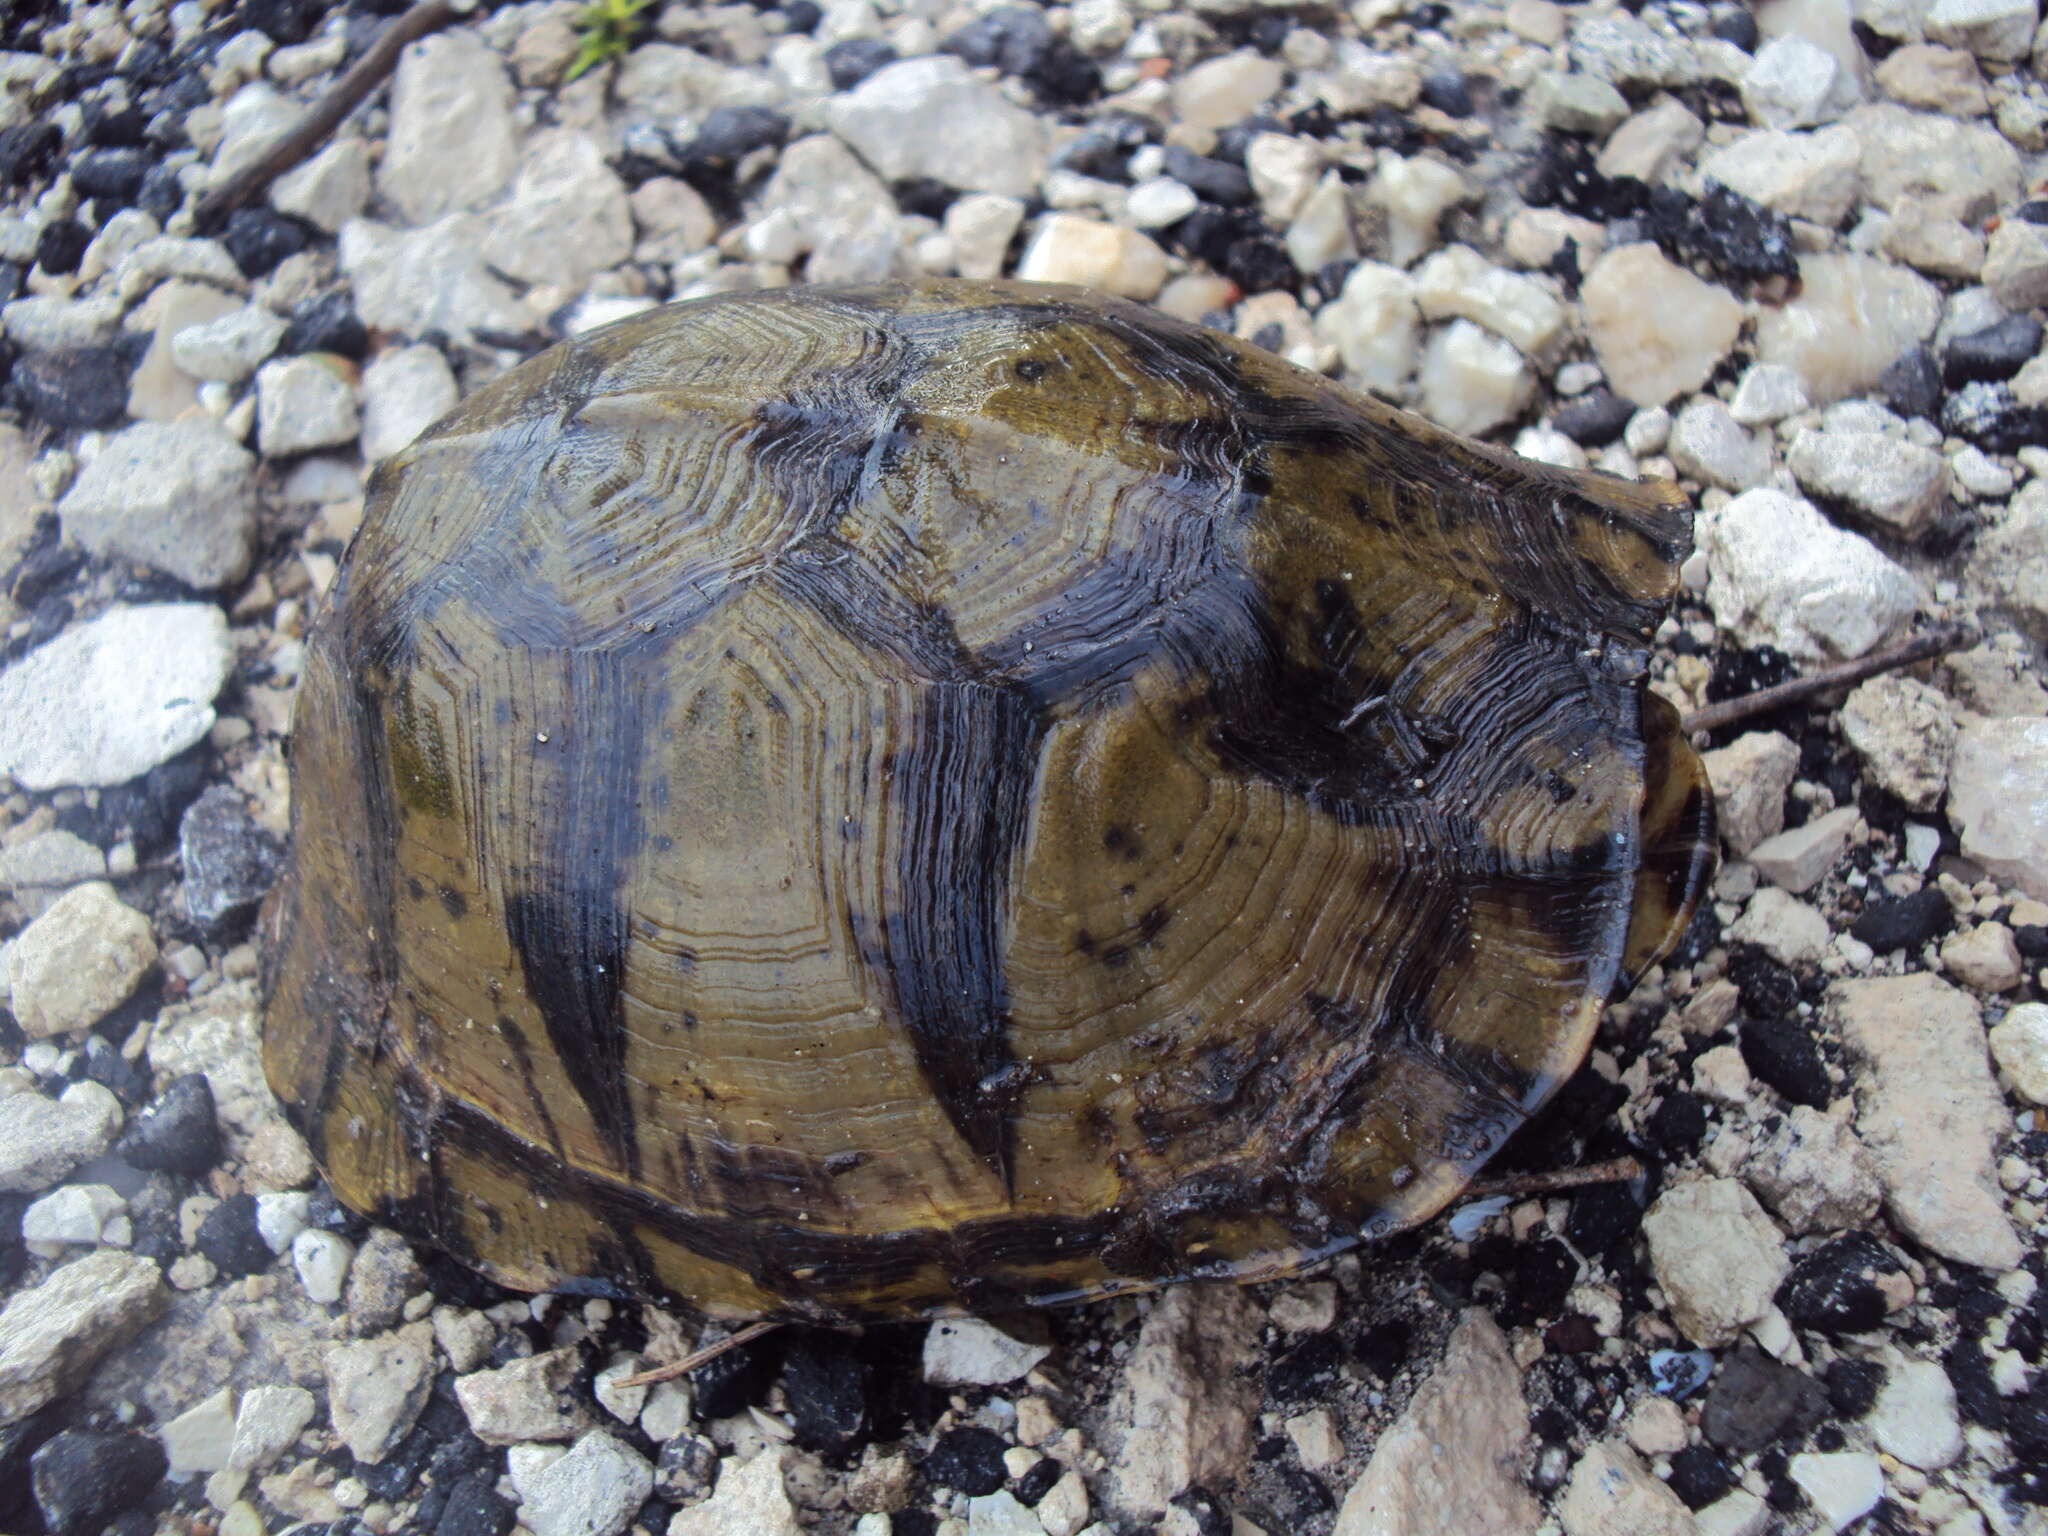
(856, 803)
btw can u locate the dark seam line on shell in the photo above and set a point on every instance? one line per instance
(837, 583)
(784, 1259)
(1190, 359)
(816, 1274)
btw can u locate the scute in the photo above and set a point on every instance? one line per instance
(866, 802)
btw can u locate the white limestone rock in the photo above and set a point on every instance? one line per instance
(1656, 141)
(179, 496)
(329, 189)
(1283, 170)
(74, 1214)
(1998, 796)
(453, 142)
(1784, 927)
(1071, 249)
(303, 403)
(1906, 151)
(1891, 482)
(44, 1140)
(1458, 282)
(1779, 573)
(53, 1333)
(2016, 264)
(1709, 445)
(837, 211)
(1929, 1111)
(432, 279)
(1414, 194)
(2010, 561)
(1914, 1417)
(1905, 733)
(527, 1399)
(1576, 103)
(40, 869)
(1984, 958)
(77, 962)
(1794, 83)
(201, 1438)
(931, 117)
(595, 1490)
(1999, 30)
(971, 1352)
(981, 227)
(1814, 1173)
(1472, 381)
(1750, 777)
(1612, 1493)
(1657, 330)
(1854, 317)
(229, 348)
(1717, 1256)
(1225, 90)
(267, 1423)
(2019, 1044)
(321, 1260)
(1322, 231)
(405, 391)
(1842, 1486)
(1925, 234)
(1182, 1412)
(660, 80)
(567, 216)
(752, 1497)
(376, 1388)
(1452, 1463)
(1798, 858)
(107, 701)
(1373, 322)
(1159, 201)
(1631, 53)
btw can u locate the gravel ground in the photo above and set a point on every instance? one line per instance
(1788, 258)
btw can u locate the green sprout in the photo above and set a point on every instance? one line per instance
(606, 30)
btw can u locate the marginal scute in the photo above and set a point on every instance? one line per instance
(869, 802)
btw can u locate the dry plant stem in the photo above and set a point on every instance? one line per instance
(695, 1358)
(1929, 643)
(1618, 1171)
(326, 114)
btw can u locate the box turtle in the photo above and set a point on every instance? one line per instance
(868, 802)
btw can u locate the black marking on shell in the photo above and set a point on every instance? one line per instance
(522, 1063)
(963, 792)
(565, 918)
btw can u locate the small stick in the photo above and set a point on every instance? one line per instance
(695, 1358)
(1938, 641)
(1618, 1171)
(325, 115)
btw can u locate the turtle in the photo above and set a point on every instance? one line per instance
(840, 804)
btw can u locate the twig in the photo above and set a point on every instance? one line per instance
(695, 1358)
(1938, 641)
(1618, 1171)
(325, 115)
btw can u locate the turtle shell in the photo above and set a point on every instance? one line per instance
(849, 803)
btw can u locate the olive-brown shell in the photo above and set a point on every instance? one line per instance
(857, 803)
